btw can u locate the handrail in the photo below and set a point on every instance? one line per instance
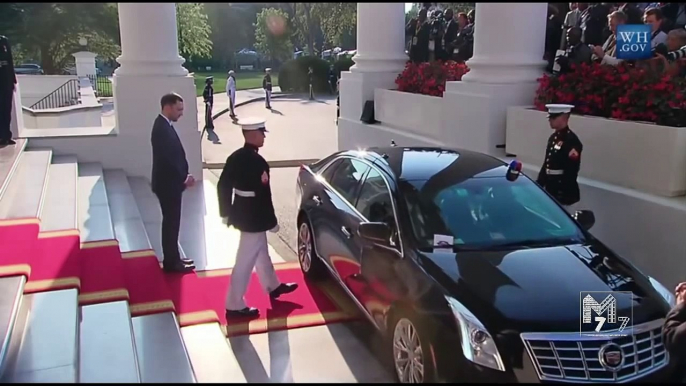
(60, 97)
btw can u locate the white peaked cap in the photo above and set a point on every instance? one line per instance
(253, 123)
(559, 109)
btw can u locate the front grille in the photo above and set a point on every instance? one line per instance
(573, 357)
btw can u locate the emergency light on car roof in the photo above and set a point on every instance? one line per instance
(514, 170)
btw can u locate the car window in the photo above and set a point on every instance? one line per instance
(483, 212)
(374, 200)
(330, 170)
(347, 176)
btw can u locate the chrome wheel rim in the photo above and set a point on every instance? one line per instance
(407, 353)
(304, 247)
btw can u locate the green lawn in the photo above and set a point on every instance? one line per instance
(244, 81)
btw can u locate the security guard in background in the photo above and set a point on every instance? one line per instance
(562, 158)
(251, 211)
(267, 86)
(208, 97)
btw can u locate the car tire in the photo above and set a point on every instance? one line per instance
(310, 264)
(407, 333)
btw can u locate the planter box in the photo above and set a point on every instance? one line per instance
(642, 156)
(415, 113)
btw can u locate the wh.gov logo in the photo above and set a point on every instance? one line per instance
(606, 313)
(633, 42)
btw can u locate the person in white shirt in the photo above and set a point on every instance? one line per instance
(231, 93)
(654, 17)
(607, 54)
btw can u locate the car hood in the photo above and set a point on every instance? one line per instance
(540, 289)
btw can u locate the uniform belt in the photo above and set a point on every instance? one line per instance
(243, 193)
(552, 172)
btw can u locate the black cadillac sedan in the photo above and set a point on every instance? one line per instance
(474, 273)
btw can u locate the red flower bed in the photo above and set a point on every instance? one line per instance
(620, 92)
(429, 78)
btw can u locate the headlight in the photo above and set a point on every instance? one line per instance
(664, 292)
(477, 344)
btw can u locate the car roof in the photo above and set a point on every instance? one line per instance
(421, 163)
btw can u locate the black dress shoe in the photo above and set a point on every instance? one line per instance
(188, 262)
(282, 289)
(178, 267)
(246, 312)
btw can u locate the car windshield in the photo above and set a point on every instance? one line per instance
(487, 213)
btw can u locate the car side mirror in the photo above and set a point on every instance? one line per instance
(585, 218)
(378, 233)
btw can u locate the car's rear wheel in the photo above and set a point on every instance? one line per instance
(310, 264)
(412, 358)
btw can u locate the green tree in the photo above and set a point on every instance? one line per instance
(194, 31)
(336, 20)
(50, 32)
(272, 34)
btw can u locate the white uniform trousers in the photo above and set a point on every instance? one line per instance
(253, 252)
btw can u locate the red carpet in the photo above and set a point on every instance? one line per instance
(102, 273)
(18, 241)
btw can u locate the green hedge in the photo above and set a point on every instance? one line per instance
(342, 64)
(293, 75)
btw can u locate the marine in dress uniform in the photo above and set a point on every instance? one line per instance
(267, 86)
(674, 333)
(208, 97)
(8, 82)
(231, 93)
(562, 158)
(245, 201)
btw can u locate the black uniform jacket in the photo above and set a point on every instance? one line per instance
(561, 167)
(169, 165)
(267, 82)
(208, 94)
(250, 209)
(674, 338)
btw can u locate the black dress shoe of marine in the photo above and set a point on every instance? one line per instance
(179, 267)
(282, 289)
(246, 312)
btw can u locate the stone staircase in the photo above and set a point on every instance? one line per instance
(47, 336)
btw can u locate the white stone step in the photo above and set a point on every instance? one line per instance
(107, 349)
(211, 357)
(162, 356)
(128, 223)
(49, 348)
(151, 214)
(60, 203)
(95, 219)
(24, 195)
(12, 320)
(9, 159)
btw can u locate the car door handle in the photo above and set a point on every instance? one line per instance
(317, 200)
(346, 232)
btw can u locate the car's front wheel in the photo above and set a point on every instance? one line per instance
(412, 359)
(310, 264)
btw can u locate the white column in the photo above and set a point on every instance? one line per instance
(508, 49)
(150, 68)
(379, 59)
(85, 63)
(508, 58)
(380, 37)
(149, 40)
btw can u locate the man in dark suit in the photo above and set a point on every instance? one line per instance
(8, 84)
(169, 179)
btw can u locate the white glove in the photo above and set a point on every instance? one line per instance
(225, 220)
(275, 229)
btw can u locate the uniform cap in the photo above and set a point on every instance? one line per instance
(209, 79)
(250, 124)
(555, 110)
(267, 69)
(231, 72)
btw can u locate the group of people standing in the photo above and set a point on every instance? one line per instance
(438, 35)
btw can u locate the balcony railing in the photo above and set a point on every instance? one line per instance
(65, 95)
(101, 85)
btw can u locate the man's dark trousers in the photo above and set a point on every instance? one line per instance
(170, 203)
(6, 96)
